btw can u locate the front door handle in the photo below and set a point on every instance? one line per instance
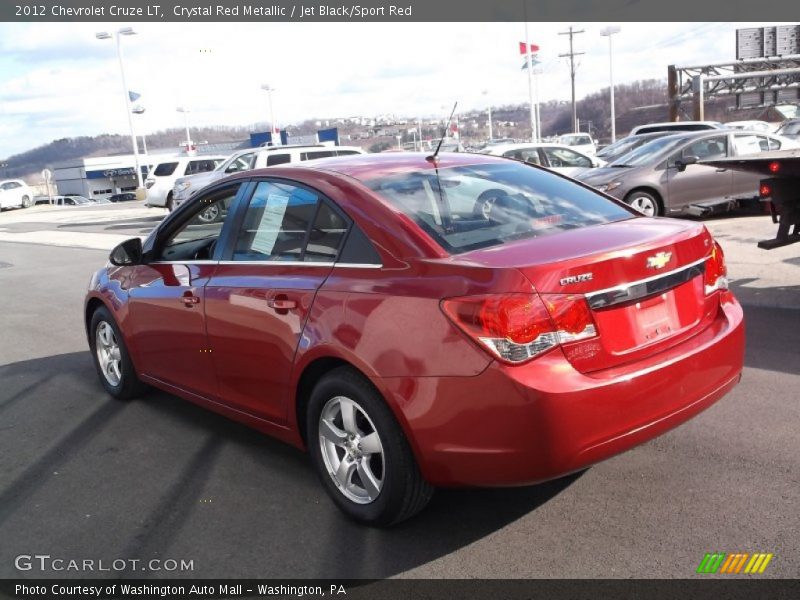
(721, 170)
(281, 304)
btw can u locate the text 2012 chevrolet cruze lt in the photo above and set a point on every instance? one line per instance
(459, 321)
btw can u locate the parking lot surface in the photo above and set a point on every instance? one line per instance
(85, 477)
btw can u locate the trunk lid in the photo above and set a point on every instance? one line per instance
(643, 280)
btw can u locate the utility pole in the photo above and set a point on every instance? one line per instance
(572, 54)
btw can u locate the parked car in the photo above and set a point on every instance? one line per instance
(557, 157)
(254, 158)
(15, 193)
(626, 144)
(761, 126)
(677, 126)
(582, 142)
(161, 178)
(661, 177)
(360, 308)
(123, 197)
(790, 129)
(72, 201)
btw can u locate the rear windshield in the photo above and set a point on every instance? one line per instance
(466, 208)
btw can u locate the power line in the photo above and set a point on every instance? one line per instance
(572, 54)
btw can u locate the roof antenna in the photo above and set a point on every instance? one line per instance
(434, 158)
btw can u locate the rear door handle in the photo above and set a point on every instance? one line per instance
(281, 304)
(721, 170)
(189, 299)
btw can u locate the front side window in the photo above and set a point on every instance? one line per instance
(562, 157)
(465, 208)
(707, 148)
(528, 155)
(165, 169)
(195, 239)
(278, 226)
(200, 166)
(240, 163)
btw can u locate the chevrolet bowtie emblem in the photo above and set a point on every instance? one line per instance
(658, 261)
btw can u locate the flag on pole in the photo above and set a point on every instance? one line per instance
(534, 48)
(534, 61)
(133, 96)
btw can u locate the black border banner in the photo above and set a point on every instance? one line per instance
(395, 10)
(733, 588)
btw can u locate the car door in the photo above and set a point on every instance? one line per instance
(166, 298)
(258, 299)
(698, 184)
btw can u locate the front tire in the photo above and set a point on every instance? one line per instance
(645, 202)
(360, 453)
(111, 358)
(169, 204)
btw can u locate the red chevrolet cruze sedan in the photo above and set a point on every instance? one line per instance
(413, 322)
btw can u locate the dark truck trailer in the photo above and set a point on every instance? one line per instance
(779, 188)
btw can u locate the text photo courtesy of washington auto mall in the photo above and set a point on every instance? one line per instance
(414, 300)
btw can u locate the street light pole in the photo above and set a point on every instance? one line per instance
(185, 111)
(103, 35)
(269, 89)
(609, 33)
(486, 93)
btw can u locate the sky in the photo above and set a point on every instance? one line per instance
(57, 80)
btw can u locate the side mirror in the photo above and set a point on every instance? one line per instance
(127, 254)
(682, 163)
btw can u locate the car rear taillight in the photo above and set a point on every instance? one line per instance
(518, 327)
(764, 190)
(716, 274)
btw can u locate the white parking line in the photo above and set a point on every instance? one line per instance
(97, 241)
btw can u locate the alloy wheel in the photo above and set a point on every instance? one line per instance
(351, 450)
(645, 205)
(108, 353)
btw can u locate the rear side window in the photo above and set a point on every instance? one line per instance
(346, 152)
(165, 169)
(326, 235)
(358, 249)
(465, 208)
(278, 159)
(317, 154)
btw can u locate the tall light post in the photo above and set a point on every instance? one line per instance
(269, 89)
(104, 35)
(139, 110)
(609, 33)
(486, 93)
(185, 111)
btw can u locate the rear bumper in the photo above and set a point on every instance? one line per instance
(542, 420)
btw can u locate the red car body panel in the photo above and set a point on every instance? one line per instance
(470, 419)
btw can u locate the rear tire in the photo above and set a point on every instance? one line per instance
(27, 202)
(645, 202)
(111, 357)
(360, 453)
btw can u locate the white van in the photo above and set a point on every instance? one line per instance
(161, 178)
(254, 158)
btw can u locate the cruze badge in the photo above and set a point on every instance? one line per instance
(576, 278)
(659, 261)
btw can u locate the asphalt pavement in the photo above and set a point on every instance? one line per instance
(83, 476)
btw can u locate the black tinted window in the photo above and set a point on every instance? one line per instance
(278, 159)
(358, 249)
(465, 208)
(165, 169)
(317, 154)
(326, 235)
